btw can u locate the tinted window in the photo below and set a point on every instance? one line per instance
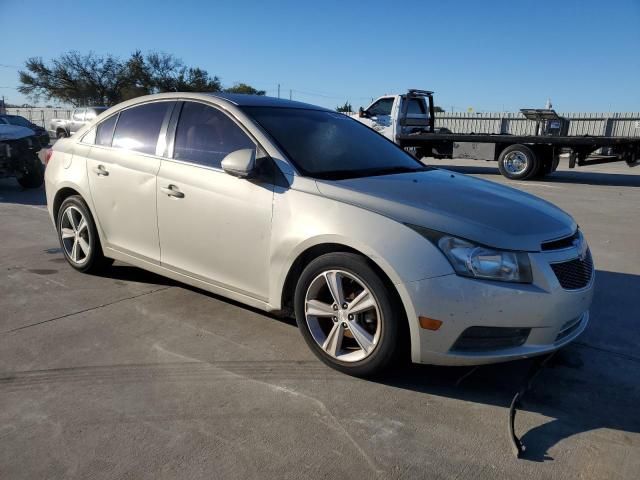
(331, 145)
(416, 107)
(381, 107)
(205, 135)
(78, 115)
(18, 120)
(138, 128)
(104, 131)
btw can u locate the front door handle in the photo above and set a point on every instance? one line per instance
(101, 171)
(172, 191)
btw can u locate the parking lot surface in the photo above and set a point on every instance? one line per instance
(130, 375)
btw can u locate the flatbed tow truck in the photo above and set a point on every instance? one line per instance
(409, 121)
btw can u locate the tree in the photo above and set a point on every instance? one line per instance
(244, 88)
(346, 108)
(74, 78)
(438, 109)
(91, 79)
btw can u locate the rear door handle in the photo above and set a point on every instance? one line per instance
(172, 191)
(101, 171)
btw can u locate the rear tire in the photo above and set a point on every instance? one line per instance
(79, 238)
(373, 316)
(518, 162)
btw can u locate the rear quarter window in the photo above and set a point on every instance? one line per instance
(104, 131)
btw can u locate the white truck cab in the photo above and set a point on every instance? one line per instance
(384, 115)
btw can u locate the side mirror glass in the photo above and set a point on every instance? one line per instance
(240, 163)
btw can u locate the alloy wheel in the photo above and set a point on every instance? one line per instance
(343, 315)
(75, 234)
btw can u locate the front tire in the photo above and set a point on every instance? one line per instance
(33, 174)
(346, 314)
(78, 236)
(518, 162)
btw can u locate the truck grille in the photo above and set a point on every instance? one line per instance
(574, 274)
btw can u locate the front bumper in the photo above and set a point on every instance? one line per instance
(554, 315)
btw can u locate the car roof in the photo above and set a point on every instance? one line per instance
(246, 100)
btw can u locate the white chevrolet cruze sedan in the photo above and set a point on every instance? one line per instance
(293, 208)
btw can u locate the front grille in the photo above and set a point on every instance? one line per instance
(574, 274)
(478, 339)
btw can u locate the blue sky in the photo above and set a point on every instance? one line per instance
(489, 55)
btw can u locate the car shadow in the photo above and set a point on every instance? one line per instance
(126, 273)
(561, 176)
(593, 383)
(12, 192)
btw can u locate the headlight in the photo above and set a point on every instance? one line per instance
(472, 260)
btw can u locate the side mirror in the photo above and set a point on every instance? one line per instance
(362, 113)
(240, 163)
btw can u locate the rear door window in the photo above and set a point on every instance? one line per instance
(138, 128)
(205, 135)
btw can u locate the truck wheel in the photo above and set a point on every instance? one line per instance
(518, 162)
(33, 174)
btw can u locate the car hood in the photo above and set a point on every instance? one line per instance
(14, 132)
(467, 207)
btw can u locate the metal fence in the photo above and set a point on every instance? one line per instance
(41, 116)
(621, 124)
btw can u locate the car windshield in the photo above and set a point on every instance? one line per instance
(17, 120)
(330, 145)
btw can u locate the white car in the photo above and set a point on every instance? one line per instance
(290, 207)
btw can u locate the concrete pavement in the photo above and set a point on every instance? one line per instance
(130, 375)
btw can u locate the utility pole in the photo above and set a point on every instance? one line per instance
(290, 97)
(278, 90)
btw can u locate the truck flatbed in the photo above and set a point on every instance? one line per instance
(418, 139)
(409, 121)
